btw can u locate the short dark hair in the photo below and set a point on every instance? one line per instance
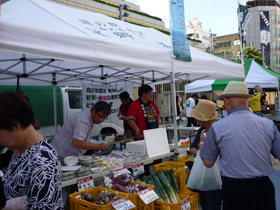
(102, 106)
(144, 89)
(14, 108)
(194, 95)
(251, 91)
(203, 97)
(124, 95)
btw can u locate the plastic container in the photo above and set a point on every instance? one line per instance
(78, 204)
(185, 159)
(137, 201)
(181, 175)
(71, 160)
(159, 205)
(100, 137)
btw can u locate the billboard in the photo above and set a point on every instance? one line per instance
(265, 34)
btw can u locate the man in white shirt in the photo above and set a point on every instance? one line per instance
(190, 104)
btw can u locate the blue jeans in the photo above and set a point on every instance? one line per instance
(259, 113)
(211, 200)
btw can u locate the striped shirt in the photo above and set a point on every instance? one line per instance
(79, 126)
(244, 142)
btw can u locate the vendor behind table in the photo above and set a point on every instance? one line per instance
(74, 138)
(126, 101)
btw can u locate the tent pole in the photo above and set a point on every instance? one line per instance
(278, 95)
(54, 102)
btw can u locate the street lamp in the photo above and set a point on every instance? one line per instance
(211, 41)
(121, 14)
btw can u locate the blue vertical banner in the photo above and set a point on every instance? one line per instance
(181, 49)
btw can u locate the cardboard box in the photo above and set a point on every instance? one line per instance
(265, 111)
(272, 112)
(137, 146)
(271, 106)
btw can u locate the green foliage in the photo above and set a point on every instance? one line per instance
(130, 10)
(252, 53)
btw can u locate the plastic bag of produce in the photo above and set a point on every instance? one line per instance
(203, 178)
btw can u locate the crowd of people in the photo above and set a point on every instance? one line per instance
(242, 142)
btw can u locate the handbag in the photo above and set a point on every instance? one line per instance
(203, 178)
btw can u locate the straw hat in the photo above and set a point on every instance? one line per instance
(205, 110)
(235, 89)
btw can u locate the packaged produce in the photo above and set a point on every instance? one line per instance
(103, 198)
(71, 160)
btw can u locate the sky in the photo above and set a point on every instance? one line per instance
(218, 15)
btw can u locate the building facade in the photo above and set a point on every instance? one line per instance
(195, 31)
(111, 8)
(263, 30)
(227, 46)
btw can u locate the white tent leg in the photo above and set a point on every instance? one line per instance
(54, 102)
(173, 95)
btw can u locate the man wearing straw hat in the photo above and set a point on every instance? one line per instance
(244, 142)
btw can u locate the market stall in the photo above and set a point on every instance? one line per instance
(44, 43)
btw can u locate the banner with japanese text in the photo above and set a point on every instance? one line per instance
(181, 49)
(109, 93)
(265, 35)
(243, 20)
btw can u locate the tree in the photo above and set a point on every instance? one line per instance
(252, 53)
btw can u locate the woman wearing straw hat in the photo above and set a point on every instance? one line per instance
(205, 114)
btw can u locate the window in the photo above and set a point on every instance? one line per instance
(197, 36)
(274, 58)
(273, 32)
(273, 45)
(272, 18)
(75, 99)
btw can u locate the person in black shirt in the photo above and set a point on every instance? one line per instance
(126, 101)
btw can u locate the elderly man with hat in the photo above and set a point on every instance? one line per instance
(205, 114)
(244, 142)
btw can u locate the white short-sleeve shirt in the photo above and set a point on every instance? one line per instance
(190, 104)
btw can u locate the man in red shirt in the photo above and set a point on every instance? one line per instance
(143, 113)
(126, 101)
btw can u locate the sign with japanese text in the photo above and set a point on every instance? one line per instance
(138, 169)
(265, 35)
(123, 204)
(85, 183)
(185, 204)
(93, 93)
(121, 171)
(181, 49)
(148, 196)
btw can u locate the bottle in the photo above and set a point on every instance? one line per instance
(100, 137)
(188, 144)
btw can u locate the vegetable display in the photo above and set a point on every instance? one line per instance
(166, 186)
(104, 197)
(123, 183)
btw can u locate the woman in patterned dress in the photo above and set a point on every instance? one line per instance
(34, 170)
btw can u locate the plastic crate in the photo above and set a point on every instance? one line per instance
(181, 175)
(78, 204)
(185, 158)
(159, 205)
(137, 201)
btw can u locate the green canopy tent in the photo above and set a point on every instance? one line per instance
(255, 74)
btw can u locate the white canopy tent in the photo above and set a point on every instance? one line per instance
(46, 43)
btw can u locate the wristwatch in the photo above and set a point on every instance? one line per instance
(200, 143)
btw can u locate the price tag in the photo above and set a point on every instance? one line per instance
(185, 204)
(85, 183)
(148, 196)
(138, 169)
(123, 204)
(120, 171)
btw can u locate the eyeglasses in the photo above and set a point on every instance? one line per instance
(101, 117)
